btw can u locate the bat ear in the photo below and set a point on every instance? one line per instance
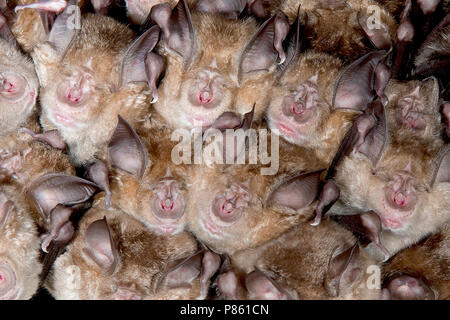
(295, 41)
(262, 286)
(355, 87)
(256, 8)
(133, 67)
(375, 29)
(265, 46)
(5, 32)
(376, 139)
(344, 269)
(5, 206)
(442, 167)
(430, 85)
(100, 247)
(126, 150)
(53, 189)
(65, 29)
(176, 25)
(297, 192)
(230, 8)
(181, 273)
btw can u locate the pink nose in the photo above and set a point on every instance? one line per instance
(74, 95)
(205, 97)
(298, 108)
(399, 199)
(8, 86)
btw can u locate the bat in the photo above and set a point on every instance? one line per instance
(92, 74)
(233, 207)
(19, 83)
(306, 262)
(19, 246)
(408, 190)
(419, 272)
(115, 257)
(342, 28)
(214, 64)
(145, 182)
(317, 99)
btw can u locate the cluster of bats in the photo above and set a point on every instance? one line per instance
(93, 207)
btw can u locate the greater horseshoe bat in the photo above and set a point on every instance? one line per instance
(420, 271)
(43, 181)
(233, 207)
(19, 251)
(114, 256)
(340, 27)
(307, 262)
(89, 75)
(413, 113)
(215, 65)
(18, 83)
(145, 182)
(316, 99)
(409, 190)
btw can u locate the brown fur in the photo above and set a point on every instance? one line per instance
(103, 40)
(323, 133)
(143, 258)
(431, 137)
(20, 245)
(259, 221)
(222, 40)
(336, 31)
(362, 187)
(15, 113)
(298, 261)
(427, 260)
(131, 194)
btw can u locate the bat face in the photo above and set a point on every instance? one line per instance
(139, 264)
(18, 87)
(212, 66)
(238, 208)
(301, 102)
(158, 199)
(396, 190)
(147, 184)
(19, 259)
(88, 76)
(414, 109)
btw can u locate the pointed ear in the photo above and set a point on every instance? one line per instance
(176, 25)
(181, 273)
(442, 167)
(261, 286)
(65, 29)
(430, 85)
(230, 8)
(294, 40)
(296, 193)
(100, 247)
(367, 227)
(126, 150)
(344, 269)
(58, 188)
(355, 87)
(133, 63)
(265, 46)
(5, 206)
(376, 139)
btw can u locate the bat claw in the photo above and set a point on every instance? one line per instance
(317, 220)
(154, 100)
